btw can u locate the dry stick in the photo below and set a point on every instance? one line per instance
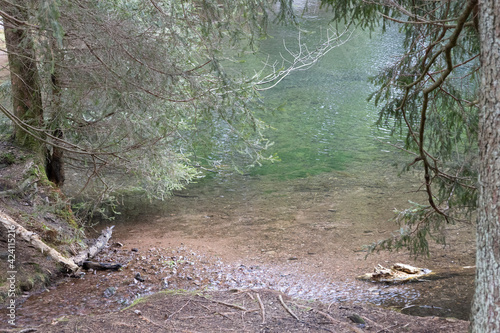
(224, 314)
(326, 315)
(149, 321)
(230, 305)
(179, 310)
(387, 328)
(374, 323)
(287, 308)
(262, 309)
(203, 306)
(330, 318)
(251, 296)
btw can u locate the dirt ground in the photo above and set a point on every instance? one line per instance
(248, 311)
(179, 300)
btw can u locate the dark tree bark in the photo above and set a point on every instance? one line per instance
(26, 92)
(54, 165)
(486, 307)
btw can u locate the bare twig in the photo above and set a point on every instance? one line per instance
(287, 308)
(146, 319)
(262, 309)
(229, 305)
(330, 318)
(387, 328)
(301, 60)
(179, 310)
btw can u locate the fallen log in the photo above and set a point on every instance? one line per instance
(91, 251)
(70, 264)
(99, 266)
(35, 240)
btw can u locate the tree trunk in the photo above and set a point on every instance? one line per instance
(26, 92)
(486, 306)
(26, 87)
(100, 243)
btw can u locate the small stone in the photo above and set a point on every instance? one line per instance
(139, 278)
(355, 318)
(110, 291)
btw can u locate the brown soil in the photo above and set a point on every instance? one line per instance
(113, 302)
(247, 311)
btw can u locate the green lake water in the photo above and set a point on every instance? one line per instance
(321, 117)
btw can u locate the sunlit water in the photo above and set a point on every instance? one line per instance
(321, 116)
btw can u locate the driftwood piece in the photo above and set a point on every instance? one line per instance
(396, 274)
(91, 251)
(35, 240)
(99, 266)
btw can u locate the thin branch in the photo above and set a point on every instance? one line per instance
(301, 60)
(17, 22)
(262, 309)
(140, 87)
(287, 308)
(424, 22)
(447, 52)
